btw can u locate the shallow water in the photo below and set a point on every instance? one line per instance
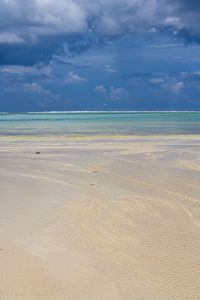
(96, 123)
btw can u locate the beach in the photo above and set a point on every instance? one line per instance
(99, 150)
(100, 217)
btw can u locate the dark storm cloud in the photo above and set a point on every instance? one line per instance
(32, 31)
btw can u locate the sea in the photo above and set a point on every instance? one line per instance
(99, 123)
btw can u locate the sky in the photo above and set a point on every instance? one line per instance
(99, 55)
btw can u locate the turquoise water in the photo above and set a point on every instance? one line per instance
(135, 123)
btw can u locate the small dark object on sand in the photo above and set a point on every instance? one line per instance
(95, 172)
(37, 152)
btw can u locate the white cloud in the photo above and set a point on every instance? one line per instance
(156, 80)
(115, 17)
(33, 87)
(57, 17)
(152, 30)
(101, 89)
(190, 75)
(176, 87)
(35, 18)
(110, 69)
(75, 78)
(10, 38)
(173, 21)
(38, 89)
(23, 70)
(114, 93)
(118, 93)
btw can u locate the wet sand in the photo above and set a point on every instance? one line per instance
(100, 218)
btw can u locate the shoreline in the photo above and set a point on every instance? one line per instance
(97, 136)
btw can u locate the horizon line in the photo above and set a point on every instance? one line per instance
(98, 111)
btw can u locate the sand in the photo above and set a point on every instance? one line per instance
(100, 218)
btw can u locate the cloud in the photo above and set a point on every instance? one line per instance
(176, 87)
(10, 38)
(190, 76)
(186, 14)
(26, 70)
(36, 88)
(118, 94)
(110, 69)
(113, 93)
(156, 80)
(36, 18)
(74, 78)
(32, 31)
(117, 17)
(101, 89)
